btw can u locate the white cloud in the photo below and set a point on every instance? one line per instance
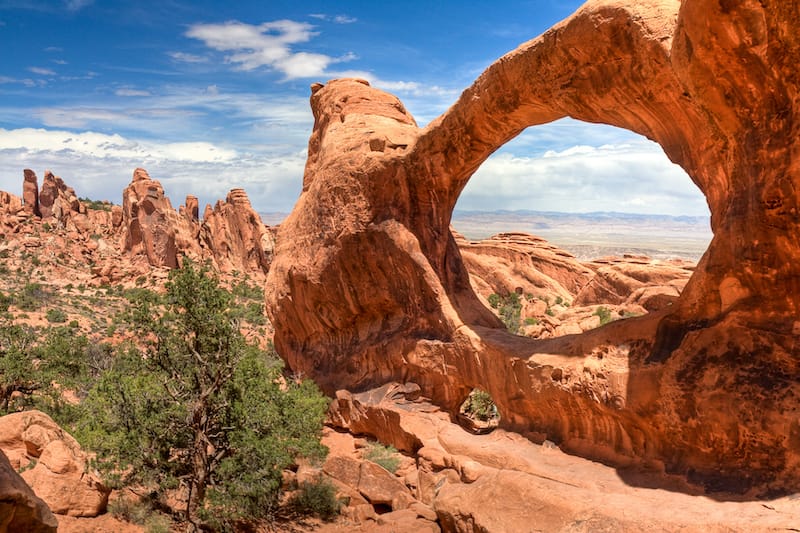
(131, 92)
(634, 176)
(267, 45)
(76, 118)
(41, 71)
(336, 19)
(100, 166)
(187, 58)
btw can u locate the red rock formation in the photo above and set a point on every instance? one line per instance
(500, 482)
(20, 508)
(30, 192)
(368, 283)
(57, 200)
(59, 475)
(191, 208)
(235, 235)
(151, 226)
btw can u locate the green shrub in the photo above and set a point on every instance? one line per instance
(385, 456)
(32, 297)
(480, 406)
(56, 316)
(316, 498)
(509, 308)
(531, 321)
(604, 314)
(201, 408)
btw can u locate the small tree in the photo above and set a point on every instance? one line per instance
(201, 408)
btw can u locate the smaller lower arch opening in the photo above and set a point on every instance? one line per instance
(478, 413)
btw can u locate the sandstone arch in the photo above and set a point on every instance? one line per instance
(368, 286)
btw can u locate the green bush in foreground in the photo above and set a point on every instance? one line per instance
(201, 408)
(317, 498)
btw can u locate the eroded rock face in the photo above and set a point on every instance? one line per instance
(152, 226)
(236, 236)
(30, 192)
(368, 284)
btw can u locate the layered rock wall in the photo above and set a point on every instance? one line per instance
(368, 283)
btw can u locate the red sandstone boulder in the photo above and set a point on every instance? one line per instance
(20, 509)
(59, 474)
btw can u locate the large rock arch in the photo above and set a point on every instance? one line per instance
(368, 285)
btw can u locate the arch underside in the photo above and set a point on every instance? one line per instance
(368, 285)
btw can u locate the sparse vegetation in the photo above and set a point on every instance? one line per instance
(509, 308)
(316, 497)
(604, 314)
(97, 205)
(480, 406)
(385, 456)
(56, 316)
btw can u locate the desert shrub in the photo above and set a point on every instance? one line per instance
(97, 205)
(604, 314)
(385, 456)
(531, 321)
(316, 497)
(31, 297)
(509, 308)
(480, 406)
(55, 315)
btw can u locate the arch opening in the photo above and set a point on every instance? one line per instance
(478, 413)
(572, 225)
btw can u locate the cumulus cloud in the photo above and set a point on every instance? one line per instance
(266, 45)
(100, 166)
(633, 177)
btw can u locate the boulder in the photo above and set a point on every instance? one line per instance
(20, 509)
(59, 473)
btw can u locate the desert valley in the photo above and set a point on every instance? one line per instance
(380, 361)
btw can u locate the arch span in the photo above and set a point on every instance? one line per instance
(368, 286)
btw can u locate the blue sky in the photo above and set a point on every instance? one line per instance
(208, 96)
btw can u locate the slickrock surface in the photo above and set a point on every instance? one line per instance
(368, 284)
(503, 482)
